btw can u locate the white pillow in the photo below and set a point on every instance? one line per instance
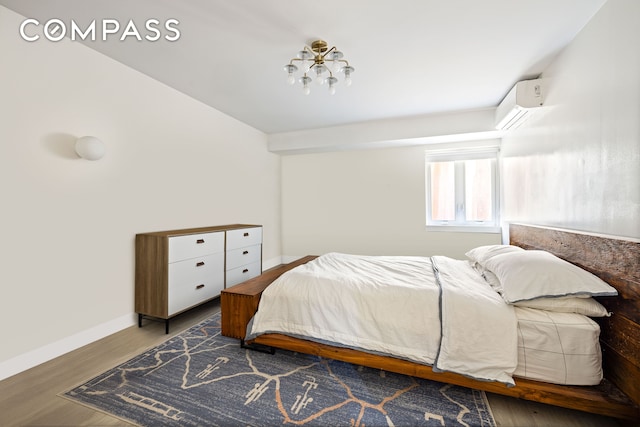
(481, 254)
(533, 274)
(493, 281)
(587, 306)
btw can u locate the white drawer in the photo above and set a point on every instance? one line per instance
(186, 297)
(243, 256)
(195, 280)
(240, 274)
(195, 245)
(195, 269)
(244, 237)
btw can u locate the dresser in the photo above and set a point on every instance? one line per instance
(177, 270)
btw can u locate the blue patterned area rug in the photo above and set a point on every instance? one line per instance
(201, 378)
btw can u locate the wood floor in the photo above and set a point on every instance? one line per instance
(31, 397)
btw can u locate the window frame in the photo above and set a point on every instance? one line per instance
(459, 156)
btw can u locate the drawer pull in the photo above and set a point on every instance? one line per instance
(245, 252)
(199, 241)
(199, 286)
(199, 264)
(246, 270)
(246, 234)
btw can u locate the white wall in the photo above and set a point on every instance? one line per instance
(577, 164)
(368, 202)
(68, 225)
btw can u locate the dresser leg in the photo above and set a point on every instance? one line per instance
(166, 322)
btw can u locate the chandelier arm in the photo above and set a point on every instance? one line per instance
(339, 60)
(328, 52)
(305, 63)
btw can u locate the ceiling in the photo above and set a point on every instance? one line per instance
(411, 57)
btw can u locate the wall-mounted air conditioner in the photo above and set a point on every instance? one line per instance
(517, 105)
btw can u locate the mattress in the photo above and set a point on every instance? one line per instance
(561, 348)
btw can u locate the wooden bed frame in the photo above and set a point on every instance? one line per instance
(615, 260)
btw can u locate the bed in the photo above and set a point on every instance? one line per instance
(459, 354)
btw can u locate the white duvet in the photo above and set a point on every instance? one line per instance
(436, 311)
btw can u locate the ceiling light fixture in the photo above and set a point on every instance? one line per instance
(318, 60)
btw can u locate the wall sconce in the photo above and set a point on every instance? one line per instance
(90, 148)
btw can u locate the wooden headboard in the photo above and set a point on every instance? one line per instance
(616, 261)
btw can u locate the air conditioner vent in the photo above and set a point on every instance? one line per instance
(517, 105)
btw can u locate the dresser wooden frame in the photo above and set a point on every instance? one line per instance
(615, 260)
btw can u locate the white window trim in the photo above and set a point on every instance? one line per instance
(455, 155)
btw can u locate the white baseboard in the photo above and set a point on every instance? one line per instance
(48, 352)
(286, 259)
(270, 263)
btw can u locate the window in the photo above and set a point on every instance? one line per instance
(462, 191)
